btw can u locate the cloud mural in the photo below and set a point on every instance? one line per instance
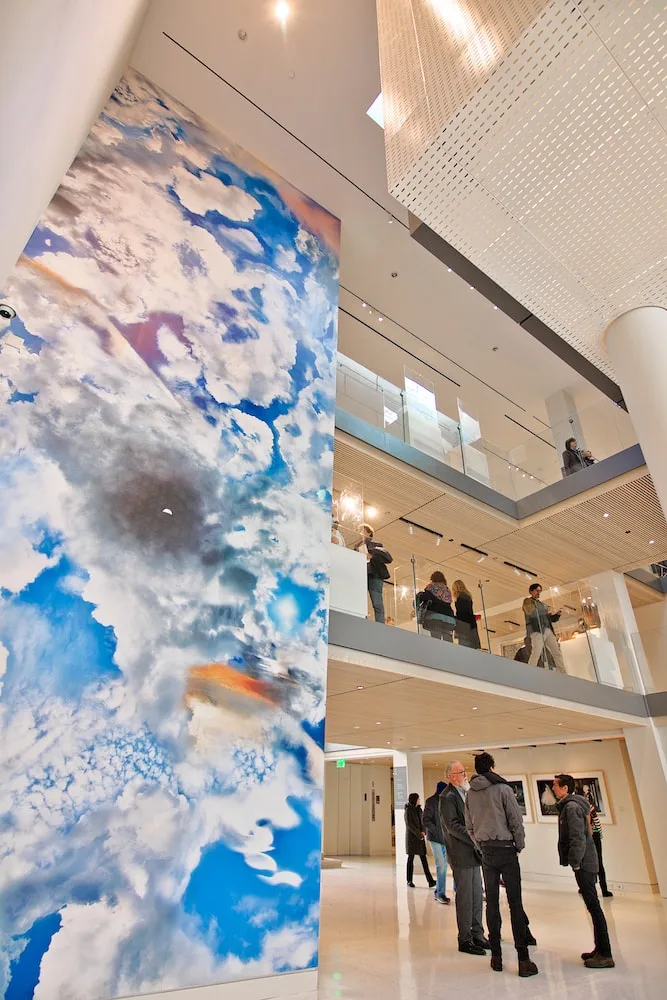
(167, 362)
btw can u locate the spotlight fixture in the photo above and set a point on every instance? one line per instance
(475, 708)
(481, 559)
(360, 687)
(520, 569)
(556, 590)
(413, 524)
(438, 540)
(652, 542)
(380, 318)
(411, 530)
(518, 573)
(378, 723)
(605, 515)
(371, 512)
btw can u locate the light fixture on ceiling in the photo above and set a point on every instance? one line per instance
(378, 723)
(605, 515)
(481, 559)
(371, 512)
(380, 319)
(376, 110)
(360, 687)
(356, 727)
(517, 572)
(438, 540)
(282, 11)
(411, 530)
(652, 542)
(560, 723)
(475, 708)
(461, 734)
(166, 510)
(556, 590)
(363, 305)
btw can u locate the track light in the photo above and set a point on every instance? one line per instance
(411, 530)
(481, 559)
(518, 573)
(438, 540)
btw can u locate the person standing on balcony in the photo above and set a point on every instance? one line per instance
(435, 602)
(436, 838)
(574, 459)
(466, 623)
(576, 849)
(540, 628)
(377, 559)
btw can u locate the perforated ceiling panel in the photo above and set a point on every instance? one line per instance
(531, 136)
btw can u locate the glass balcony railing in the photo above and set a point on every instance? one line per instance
(534, 460)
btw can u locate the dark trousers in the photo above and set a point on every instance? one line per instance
(602, 875)
(468, 882)
(410, 871)
(375, 585)
(586, 882)
(500, 860)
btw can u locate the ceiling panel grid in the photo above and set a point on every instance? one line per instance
(550, 174)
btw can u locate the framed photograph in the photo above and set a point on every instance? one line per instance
(519, 785)
(590, 784)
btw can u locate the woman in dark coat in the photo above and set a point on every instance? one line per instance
(574, 458)
(415, 840)
(466, 623)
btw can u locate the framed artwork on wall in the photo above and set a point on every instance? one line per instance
(590, 784)
(519, 785)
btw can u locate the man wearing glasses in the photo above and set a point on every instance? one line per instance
(465, 861)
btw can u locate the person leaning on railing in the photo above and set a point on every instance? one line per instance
(574, 459)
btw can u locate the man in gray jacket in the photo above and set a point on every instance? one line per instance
(576, 849)
(495, 823)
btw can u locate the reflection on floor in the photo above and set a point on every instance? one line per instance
(377, 945)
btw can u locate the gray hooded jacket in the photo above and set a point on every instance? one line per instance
(492, 812)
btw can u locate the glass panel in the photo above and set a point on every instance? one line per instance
(422, 415)
(347, 512)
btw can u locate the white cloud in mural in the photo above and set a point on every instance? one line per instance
(207, 193)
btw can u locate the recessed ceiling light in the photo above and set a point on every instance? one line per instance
(652, 542)
(380, 319)
(475, 708)
(461, 734)
(371, 512)
(376, 110)
(378, 723)
(356, 727)
(605, 515)
(360, 687)
(282, 11)
(560, 723)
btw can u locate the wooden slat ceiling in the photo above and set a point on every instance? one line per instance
(573, 541)
(413, 712)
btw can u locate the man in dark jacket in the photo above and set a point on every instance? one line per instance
(377, 559)
(495, 823)
(465, 861)
(576, 849)
(436, 838)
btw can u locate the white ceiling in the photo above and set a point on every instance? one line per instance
(532, 138)
(317, 79)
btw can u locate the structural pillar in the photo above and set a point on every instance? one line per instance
(564, 420)
(408, 778)
(647, 750)
(636, 344)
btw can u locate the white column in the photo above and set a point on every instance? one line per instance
(636, 344)
(647, 750)
(617, 650)
(60, 61)
(408, 778)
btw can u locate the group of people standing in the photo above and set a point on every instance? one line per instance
(442, 620)
(478, 826)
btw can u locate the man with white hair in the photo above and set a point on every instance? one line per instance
(465, 861)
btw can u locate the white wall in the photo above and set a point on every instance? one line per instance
(627, 858)
(60, 61)
(349, 827)
(652, 624)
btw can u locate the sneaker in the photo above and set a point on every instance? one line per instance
(527, 968)
(607, 894)
(585, 955)
(471, 949)
(445, 900)
(497, 963)
(481, 943)
(530, 940)
(600, 962)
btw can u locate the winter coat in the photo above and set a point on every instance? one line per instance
(575, 843)
(376, 567)
(461, 851)
(492, 812)
(574, 460)
(414, 827)
(432, 823)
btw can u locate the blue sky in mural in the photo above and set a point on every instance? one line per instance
(166, 428)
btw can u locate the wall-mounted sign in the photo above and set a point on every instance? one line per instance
(340, 763)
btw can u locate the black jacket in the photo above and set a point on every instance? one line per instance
(432, 823)
(379, 558)
(464, 611)
(414, 827)
(428, 603)
(461, 851)
(575, 843)
(574, 460)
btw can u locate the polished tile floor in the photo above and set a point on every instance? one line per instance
(387, 944)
